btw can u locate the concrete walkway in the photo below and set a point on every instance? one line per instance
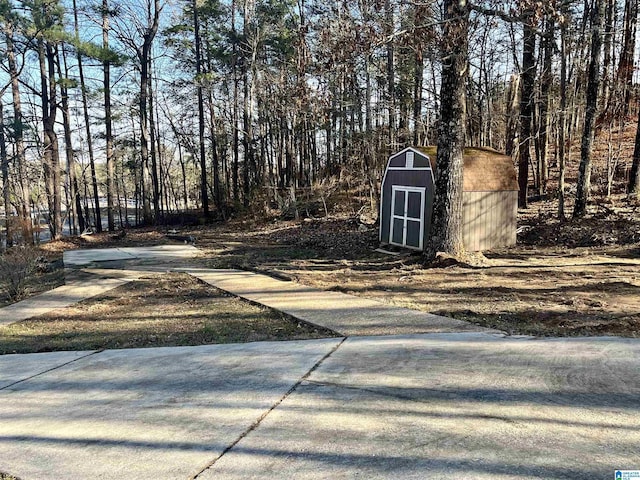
(346, 314)
(453, 401)
(161, 253)
(444, 406)
(157, 413)
(96, 281)
(60, 297)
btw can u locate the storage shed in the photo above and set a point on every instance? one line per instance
(490, 199)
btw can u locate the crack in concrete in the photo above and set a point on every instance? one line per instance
(257, 423)
(50, 369)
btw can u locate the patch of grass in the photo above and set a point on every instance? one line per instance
(159, 310)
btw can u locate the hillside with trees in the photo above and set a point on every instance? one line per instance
(120, 113)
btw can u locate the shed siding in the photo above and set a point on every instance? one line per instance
(421, 161)
(489, 219)
(399, 161)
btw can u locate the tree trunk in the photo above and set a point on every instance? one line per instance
(593, 86)
(156, 168)
(185, 195)
(144, 56)
(246, 164)
(217, 188)
(68, 144)
(251, 39)
(562, 119)
(87, 126)
(417, 96)
(391, 104)
(609, 32)
(203, 159)
(545, 89)
(446, 230)
(144, 142)
(511, 140)
(18, 132)
(526, 109)
(4, 166)
(634, 174)
(626, 64)
(236, 140)
(106, 67)
(51, 161)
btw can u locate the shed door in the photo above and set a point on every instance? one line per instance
(407, 216)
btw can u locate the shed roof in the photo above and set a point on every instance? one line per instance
(484, 170)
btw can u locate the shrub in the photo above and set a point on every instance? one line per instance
(16, 266)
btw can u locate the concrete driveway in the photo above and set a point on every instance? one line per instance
(448, 400)
(438, 406)
(157, 413)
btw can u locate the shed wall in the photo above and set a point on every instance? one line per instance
(489, 219)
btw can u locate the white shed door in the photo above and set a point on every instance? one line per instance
(407, 216)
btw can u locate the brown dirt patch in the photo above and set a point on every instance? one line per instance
(158, 310)
(589, 287)
(578, 277)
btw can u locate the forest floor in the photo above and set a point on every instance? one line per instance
(578, 277)
(154, 311)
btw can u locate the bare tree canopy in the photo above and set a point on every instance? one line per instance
(135, 112)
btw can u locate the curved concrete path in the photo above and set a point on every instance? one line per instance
(160, 253)
(345, 314)
(438, 405)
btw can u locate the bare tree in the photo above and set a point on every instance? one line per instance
(526, 105)
(562, 119)
(47, 17)
(593, 87)
(201, 122)
(106, 68)
(18, 133)
(137, 31)
(4, 167)
(447, 210)
(74, 208)
(548, 45)
(87, 131)
(626, 63)
(634, 175)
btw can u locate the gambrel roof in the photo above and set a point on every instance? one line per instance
(484, 170)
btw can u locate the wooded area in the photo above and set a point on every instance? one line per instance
(151, 108)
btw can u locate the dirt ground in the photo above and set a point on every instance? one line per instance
(158, 310)
(589, 285)
(577, 277)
